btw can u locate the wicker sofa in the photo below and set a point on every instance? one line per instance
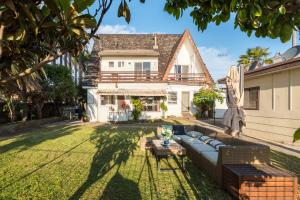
(218, 149)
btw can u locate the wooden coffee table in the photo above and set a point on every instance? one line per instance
(173, 150)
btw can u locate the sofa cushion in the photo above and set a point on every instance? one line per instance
(194, 134)
(215, 143)
(178, 130)
(200, 147)
(211, 156)
(205, 139)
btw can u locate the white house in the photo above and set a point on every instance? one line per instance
(153, 67)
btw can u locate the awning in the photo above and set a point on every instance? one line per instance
(157, 93)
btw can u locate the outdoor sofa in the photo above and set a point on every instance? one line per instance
(209, 149)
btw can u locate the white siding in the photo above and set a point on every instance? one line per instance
(187, 56)
(128, 63)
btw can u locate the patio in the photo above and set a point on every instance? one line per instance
(93, 161)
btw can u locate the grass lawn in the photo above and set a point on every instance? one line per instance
(104, 162)
(87, 162)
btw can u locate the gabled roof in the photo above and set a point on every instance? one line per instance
(187, 35)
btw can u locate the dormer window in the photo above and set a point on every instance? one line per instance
(111, 64)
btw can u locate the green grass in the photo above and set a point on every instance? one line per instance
(88, 162)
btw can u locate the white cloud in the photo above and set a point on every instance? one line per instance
(117, 29)
(217, 60)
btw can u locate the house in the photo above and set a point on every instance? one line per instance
(155, 68)
(272, 101)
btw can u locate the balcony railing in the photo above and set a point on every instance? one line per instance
(187, 77)
(131, 76)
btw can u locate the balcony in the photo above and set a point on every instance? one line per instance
(129, 76)
(154, 77)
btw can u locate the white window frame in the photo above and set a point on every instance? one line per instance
(169, 98)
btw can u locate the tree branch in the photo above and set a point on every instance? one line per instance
(31, 70)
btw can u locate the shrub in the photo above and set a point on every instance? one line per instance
(138, 108)
(205, 99)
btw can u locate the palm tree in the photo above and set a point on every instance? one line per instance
(257, 54)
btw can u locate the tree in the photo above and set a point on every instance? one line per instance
(257, 54)
(36, 32)
(57, 87)
(274, 19)
(205, 99)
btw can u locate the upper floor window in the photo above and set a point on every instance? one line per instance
(172, 97)
(111, 64)
(142, 69)
(121, 64)
(251, 98)
(181, 72)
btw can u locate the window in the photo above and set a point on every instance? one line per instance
(151, 103)
(108, 100)
(172, 97)
(111, 64)
(142, 69)
(251, 98)
(121, 64)
(181, 71)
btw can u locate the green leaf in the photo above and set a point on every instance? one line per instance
(282, 10)
(64, 5)
(297, 135)
(256, 10)
(286, 32)
(85, 21)
(81, 5)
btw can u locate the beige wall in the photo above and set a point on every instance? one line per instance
(279, 106)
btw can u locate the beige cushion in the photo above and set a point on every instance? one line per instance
(194, 134)
(200, 146)
(212, 156)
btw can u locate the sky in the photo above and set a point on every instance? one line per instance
(219, 46)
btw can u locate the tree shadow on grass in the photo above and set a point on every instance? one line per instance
(114, 147)
(118, 186)
(33, 138)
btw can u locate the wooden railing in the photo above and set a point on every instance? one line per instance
(131, 76)
(187, 77)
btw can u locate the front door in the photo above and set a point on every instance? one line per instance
(185, 102)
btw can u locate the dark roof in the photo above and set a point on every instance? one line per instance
(284, 65)
(167, 44)
(272, 68)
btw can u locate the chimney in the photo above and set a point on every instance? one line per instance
(155, 42)
(294, 38)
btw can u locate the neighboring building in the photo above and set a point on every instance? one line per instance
(272, 101)
(152, 67)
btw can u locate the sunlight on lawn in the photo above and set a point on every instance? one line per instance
(87, 162)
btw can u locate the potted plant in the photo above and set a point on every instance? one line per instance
(85, 117)
(164, 108)
(167, 134)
